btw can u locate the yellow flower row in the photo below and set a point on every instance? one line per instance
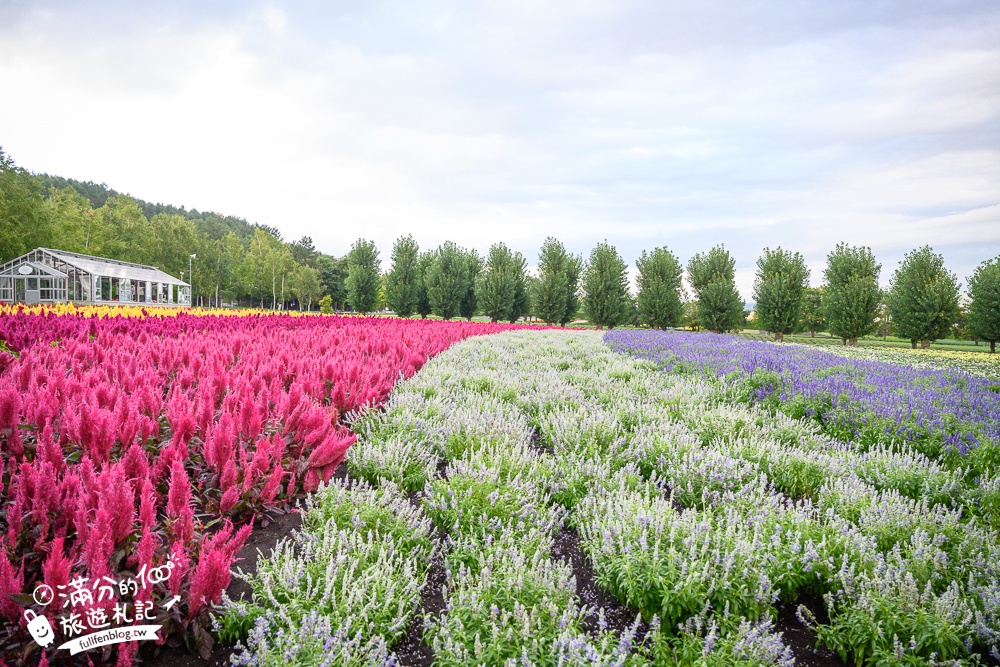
(128, 311)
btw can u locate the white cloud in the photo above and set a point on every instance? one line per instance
(643, 124)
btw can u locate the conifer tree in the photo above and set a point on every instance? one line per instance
(502, 286)
(447, 280)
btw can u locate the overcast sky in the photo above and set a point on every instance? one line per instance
(750, 122)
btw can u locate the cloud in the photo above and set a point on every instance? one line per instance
(756, 124)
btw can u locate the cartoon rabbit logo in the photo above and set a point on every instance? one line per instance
(39, 628)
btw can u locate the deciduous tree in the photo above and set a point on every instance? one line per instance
(984, 307)
(605, 287)
(402, 283)
(660, 281)
(713, 278)
(812, 318)
(851, 296)
(923, 297)
(447, 280)
(363, 279)
(782, 277)
(503, 284)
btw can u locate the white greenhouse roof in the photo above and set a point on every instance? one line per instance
(37, 270)
(112, 268)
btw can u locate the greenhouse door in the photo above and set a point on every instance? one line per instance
(31, 293)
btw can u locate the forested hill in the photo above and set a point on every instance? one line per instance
(235, 260)
(213, 224)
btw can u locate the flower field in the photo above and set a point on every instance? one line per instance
(946, 414)
(135, 445)
(535, 498)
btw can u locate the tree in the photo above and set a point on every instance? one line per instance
(556, 297)
(306, 285)
(304, 252)
(713, 279)
(605, 287)
(363, 276)
(424, 263)
(326, 305)
(984, 305)
(851, 296)
(24, 223)
(334, 276)
(503, 284)
(73, 219)
(474, 266)
(660, 280)
(574, 272)
(229, 257)
(447, 280)
(812, 318)
(402, 283)
(923, 297)
(782, 277)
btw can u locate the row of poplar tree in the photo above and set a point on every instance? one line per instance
(922, 303)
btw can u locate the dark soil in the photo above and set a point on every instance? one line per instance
(263, 538)
(538, 444)
(411, 649)
(802, 639)
(619, 617)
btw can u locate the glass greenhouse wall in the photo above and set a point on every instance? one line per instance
(55, 276)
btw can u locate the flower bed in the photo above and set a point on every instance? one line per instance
(128, 444)
(701, 516)
(941, 413)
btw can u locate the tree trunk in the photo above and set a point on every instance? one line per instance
(844, 341)
(993, 346)
(913, 343)
(812, 334)
(779, 336)
(925, 344)
(854, 341)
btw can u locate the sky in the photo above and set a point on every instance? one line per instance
(752, 123)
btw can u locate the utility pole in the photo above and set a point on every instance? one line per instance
(191, 274)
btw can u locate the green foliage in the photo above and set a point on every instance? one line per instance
(812, 318)
(334, 276)
(23, 215)
(424, 263)
(447, 280)
(713, 278)
(984, 308)
(306, 285)
(782, 278)
(402, 283)
(605, 287)
(659, 300)
(502, 288)
(556, 297)
(363, 276)
(326, 305)
(923, 297)
(852, 295)
(470, 303)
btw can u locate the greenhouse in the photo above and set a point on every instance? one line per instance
(56, 276)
